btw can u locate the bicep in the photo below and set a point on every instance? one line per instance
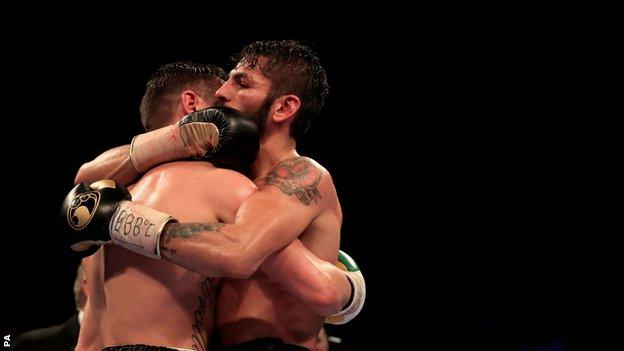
(270, 220)
(293, 194)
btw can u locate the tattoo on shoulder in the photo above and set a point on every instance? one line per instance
(297, 177)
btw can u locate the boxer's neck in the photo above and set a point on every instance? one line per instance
(272, 151)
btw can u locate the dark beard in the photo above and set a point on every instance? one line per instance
(259, 117)
(263, 114)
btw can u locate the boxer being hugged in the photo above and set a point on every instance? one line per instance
(136, 300)
(282, 84)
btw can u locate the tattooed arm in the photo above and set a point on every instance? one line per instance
(294, 193)
(317, 283)
(213, 251)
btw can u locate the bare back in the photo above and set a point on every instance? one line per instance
(259, 307)
(138, 300)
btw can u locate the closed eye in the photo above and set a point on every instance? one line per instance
(241, 80)
(242, 83)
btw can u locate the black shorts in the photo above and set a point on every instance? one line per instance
(138, 347)
(273, 344)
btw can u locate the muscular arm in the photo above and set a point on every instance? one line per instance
(319, 284)
(113, 164)
(293, 195)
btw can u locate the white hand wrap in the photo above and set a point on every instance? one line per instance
(358, 294)
(138, 228)
(172, 143)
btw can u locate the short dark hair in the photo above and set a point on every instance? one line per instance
(164, 86)
(293, 68)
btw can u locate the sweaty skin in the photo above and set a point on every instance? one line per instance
(138, 300)
(259, 306)
(296, 199)
(131, 292)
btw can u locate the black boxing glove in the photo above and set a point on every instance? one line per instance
(221, 135)
(102, 212)
(239, 138)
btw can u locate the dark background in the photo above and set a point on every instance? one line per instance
(452, 161)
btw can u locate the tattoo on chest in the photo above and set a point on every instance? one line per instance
(206, 298)
(296, 177)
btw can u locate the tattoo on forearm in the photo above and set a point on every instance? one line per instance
(206, 298)
(296, 177)
(187, 230)
(165, 245)
(184, 231)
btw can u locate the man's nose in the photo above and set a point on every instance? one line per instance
(221, 94)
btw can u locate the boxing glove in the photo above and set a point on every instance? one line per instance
(219, 134)
(102, 213)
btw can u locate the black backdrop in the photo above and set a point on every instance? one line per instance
(447, 161)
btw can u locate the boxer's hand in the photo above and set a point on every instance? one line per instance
(87, 211)
(358, 290)
(238, 141)
(102, 212)
(220, 134)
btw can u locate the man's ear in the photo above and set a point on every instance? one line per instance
(190, 100)
(286, 107)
